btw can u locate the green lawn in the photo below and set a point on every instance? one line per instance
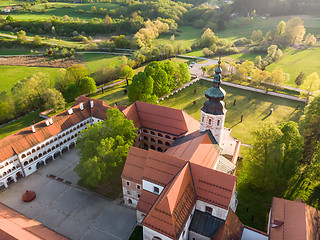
(61, 9)
(187, 37)
(243, 27)
(12, 74)
(241, 56)
(94, 61)
(294, 61)
(17, 50)
(254, 111)
(19, 124)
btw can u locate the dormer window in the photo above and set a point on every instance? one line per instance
(156, 190)
(210, 121)
(218, 122)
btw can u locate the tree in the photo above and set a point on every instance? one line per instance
(87, 85)
(75, 73)
(300, 78)
(257, 36)
(296, 29)
(311, 84)
(127, 73)
(53, 99)
(310, 40)
(141, 89)
(208, 38)
(21, 37)
(36, 40)
(94, 9)
(278, 77)
(103, 149)
(272, 159)
(281, 27)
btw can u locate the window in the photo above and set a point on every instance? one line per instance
(128, 183)
(145, 138)
(138, 187)
(138, 195)
(208, 210)
(210, 121)
(128, 192)
(202, 119)
(129, 201)
(145, 131)
(29, 168)
(152, 140)
(167, 144)
(156, 238)
(218, 122)
(152, 133)
(156, 189)
(160, 135)
(167, 136)
(159, 142)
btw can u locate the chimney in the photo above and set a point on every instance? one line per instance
(70, 111)
(81, 106)
(32, 129)
(50, 121)
(91, 104)
(47, 122)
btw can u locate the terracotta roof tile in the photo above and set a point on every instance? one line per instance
(231, 229)
(161, 118)
(197, 147)
(160, 168)
(135, 163)
(300, 221)
(213, 186)
(26, 139)
(21, 227)
(173, 207)
(146, 201)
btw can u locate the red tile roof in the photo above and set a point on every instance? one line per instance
(200, 148)
(161, 168)
(172, 209)
(300, 221)
(146, 201)
(135, 163)
(14, 225)
(26, 139)
(164, 119)
(213, 186)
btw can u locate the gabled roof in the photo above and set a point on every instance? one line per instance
(213, 186)
(26, 139)
(135, 163)
(160, 118)
(14, 225)
(172, 209)
(197, 147)
(298, 221)
(160, 168)
(146, 201)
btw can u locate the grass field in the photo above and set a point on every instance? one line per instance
(243, 27)
(187, 37)
(12, 74)
(294, 61)
(94, 61)
(58, 9)
(19, 124)
(253, 111)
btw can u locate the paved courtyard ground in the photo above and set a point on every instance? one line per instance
(62, 206)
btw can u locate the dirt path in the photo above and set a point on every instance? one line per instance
(38, 61)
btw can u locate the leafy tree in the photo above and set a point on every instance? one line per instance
(103, 149)
(257, 36)
(107, 20)
(87, 85)
(272, 159)
(94, 9)
(161, 84)
(121, 42)
(278, 77)
(311, 84)
(208, 38)
(300, 78)
(127, 73)
(310, 40)
(7, 110)
(296, 29)
(141, 89)
(21, 37)
(53, 99)
(281, 27)
(75, 73)
(36, 40)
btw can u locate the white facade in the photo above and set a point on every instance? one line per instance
(216, 211)
(249, 234)
(214, 123)
(151, 187)
(149, 234)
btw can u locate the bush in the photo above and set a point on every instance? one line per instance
(242, 41)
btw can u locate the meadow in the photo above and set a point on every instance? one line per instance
(294, 61)
(12, 74)
(47, 10)
(93, 61)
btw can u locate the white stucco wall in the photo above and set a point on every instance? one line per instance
(217, 130)
(216, 211)
(148, 186)
(148, 234)
(197, 236)
(248, 234)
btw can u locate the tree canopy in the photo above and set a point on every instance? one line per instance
(103, 149)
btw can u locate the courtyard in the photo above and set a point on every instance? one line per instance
(67, 209)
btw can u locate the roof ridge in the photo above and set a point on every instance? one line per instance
(194, 186)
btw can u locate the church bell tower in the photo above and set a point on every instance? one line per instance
(213, 111)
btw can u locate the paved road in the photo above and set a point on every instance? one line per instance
(75, 213)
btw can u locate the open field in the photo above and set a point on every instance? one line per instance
(187, 37)
(253, 111)
(94, 61)
(294, 61)
(12, 74)
(243, 27)
(58, 9)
